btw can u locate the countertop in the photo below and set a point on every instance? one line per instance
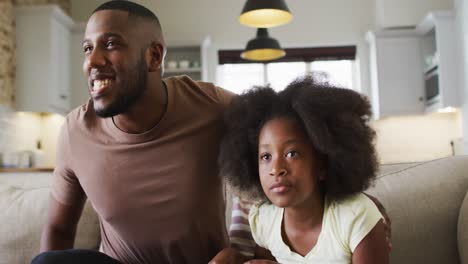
(45, 169)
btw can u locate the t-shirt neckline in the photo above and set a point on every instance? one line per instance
(147, 135)
(317, 245)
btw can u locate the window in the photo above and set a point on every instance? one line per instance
(333, 65)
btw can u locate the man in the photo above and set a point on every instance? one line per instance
(143, 150)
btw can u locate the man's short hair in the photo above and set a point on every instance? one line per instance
(133, 9)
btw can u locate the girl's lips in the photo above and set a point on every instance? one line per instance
(280, 189)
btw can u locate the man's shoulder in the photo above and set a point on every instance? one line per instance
(186, 86)
(83, 114)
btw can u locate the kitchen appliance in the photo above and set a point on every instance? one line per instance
(431, 86)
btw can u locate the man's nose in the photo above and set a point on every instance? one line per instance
(278, 168)
(95, 59)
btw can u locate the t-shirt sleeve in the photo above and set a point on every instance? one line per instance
(65, 187)
(362, 217)
(225, 97)
(255, 223)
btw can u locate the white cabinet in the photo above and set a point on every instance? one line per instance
(78, 83)
(397, 85)
(440, 59)
(43, 59)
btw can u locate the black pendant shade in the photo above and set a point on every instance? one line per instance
(265, 13)
(263, 48)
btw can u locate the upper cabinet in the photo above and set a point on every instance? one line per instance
(396, 79)
(439, 56)
(43, 39)
(414, 71)
(191, 60)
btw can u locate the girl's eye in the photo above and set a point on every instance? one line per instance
(265, 156)
(292, 154)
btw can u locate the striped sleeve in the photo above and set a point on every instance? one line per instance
(240, 234)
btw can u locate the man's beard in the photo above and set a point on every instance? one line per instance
(133, 89)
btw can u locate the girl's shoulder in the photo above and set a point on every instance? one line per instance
(264, 212)
(353, 218)
(265, 221)
(352, 205)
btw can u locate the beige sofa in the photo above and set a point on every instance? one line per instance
(427, 203)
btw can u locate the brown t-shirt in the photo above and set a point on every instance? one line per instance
(157, 194)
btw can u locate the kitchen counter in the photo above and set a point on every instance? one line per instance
(45, 169)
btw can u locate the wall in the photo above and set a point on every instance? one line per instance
(315, 23)
(64, 4)
(49, 132)
(19, 131)
(405, 13)
(416, 138)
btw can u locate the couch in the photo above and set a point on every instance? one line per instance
(427, 203)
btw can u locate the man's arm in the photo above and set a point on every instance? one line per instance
(60, 229)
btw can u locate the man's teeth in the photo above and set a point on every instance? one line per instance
(99, 84)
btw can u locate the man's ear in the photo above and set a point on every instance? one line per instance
(155, 56)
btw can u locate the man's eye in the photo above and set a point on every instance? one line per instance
(265, 156)
(87, 49)
(292, 154)
(110, 44)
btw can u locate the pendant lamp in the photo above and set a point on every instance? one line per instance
(263, 48)
(265, 13)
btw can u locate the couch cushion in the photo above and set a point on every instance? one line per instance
(423, 202)
(463, 231)
(23, 214)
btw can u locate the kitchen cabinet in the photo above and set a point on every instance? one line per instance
(43, 35)
(191, 60)
(440, 60)
(397, 83)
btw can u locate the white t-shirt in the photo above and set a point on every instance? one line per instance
(344, 225)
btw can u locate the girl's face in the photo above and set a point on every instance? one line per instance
(287, 164)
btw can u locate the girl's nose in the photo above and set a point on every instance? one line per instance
(278, 171)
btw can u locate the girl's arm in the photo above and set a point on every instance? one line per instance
(373, 248)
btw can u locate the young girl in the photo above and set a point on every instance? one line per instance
(307, 154)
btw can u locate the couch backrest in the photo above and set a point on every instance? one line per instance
(463, 231)
(423, 202)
